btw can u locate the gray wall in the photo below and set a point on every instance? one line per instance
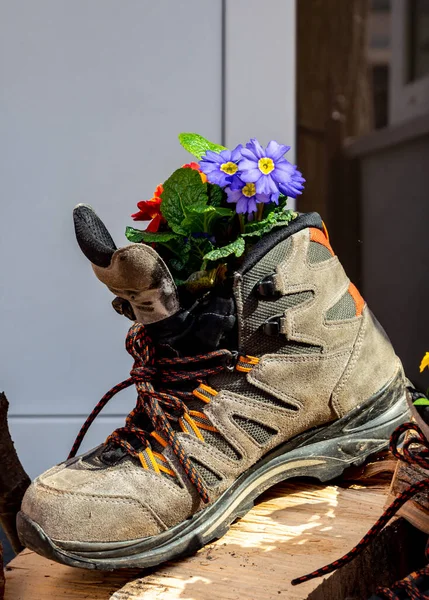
(93, 96)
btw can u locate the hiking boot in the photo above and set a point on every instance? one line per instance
(281, 372)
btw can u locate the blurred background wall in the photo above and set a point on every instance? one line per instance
(393, 178)
(93, 95)
(363, 144)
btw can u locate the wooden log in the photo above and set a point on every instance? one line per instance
(1, 574)
(295, 527)
(394, 554)
(416, 510)
(378, 469)
(13, 479)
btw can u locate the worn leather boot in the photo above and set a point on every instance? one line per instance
(282, 371)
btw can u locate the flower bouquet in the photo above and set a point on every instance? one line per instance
(207, 214)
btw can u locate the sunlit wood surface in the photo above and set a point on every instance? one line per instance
(295, 528)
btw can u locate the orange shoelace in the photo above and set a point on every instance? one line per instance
(165, 404)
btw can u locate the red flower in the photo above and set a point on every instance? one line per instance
(151, 210)
(196, 167)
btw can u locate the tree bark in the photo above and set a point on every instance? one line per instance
(416, 510)
(13, 479)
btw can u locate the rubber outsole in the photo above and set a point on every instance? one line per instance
(322, 454)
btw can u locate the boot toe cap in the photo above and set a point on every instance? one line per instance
(68, 508)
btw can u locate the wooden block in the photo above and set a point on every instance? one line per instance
(394, 554)
(295, 528)
(1, 573)
(416, 510)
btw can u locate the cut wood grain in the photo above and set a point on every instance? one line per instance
(378, 469)
(416, 510)
(295, 528)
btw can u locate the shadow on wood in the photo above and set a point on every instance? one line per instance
(394, 554)
(1, 574)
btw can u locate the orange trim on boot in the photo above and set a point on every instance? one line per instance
(319, 237)
(325, 231)
(359, 301)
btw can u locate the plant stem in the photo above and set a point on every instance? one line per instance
(260, 211)
(241, 221)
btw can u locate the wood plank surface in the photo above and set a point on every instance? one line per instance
(295, 528)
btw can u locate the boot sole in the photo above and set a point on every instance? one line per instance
(322, 454)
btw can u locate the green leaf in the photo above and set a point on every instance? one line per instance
(200, 209)
(191, 258)
(421, 402)
(176, 264)
(136, 235)
(183, 191)
(199, 248)
(211, 210)
(275, 218)
(201, 218)
(237, 247)
(180, 247)
(197, 145)
(220, 211)
(216, 194)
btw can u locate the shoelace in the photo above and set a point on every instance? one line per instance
(161, 406)
(417, 456)
(410, 585)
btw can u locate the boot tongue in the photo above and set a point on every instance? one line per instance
(135, 273)
(206, 326)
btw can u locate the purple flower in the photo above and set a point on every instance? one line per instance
(221, 166)
(294, 186)
(245, 196)
(266, 168)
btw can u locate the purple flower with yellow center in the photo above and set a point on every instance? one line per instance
(245, 196)
(220, 167)
(266, 167)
